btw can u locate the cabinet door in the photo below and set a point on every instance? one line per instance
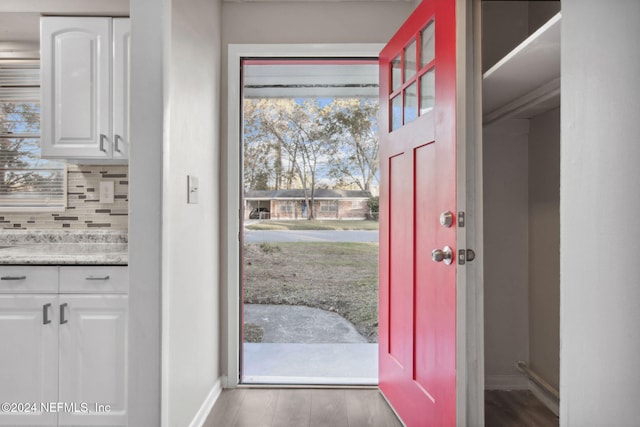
(76, 75)
(121, 83)
(93, 351)
(29, 358)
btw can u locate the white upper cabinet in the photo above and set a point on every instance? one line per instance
(85, 87)
(120, 87)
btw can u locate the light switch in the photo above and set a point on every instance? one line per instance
(106, 192)
(192, 189)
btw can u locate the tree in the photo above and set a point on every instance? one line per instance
(17, 151)
(258, 155)
(352, 125)
(298, 127)
(290, 142)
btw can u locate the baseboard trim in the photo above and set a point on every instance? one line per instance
(547, 400)
(506, 382)
(205, 409)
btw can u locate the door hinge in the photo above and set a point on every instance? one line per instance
(460, 219)
(465, 255)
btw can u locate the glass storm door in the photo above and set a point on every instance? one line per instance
(417, 370)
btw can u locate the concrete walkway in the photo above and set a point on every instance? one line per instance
(301, 325)
(303, 345)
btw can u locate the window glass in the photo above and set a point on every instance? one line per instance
(427, 91)
(396, 112)
(411, 103)
(396, 74)
(27, 182)
(428, 45)
(410, 61)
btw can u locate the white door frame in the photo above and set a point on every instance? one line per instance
(470, 349)
(233, 208)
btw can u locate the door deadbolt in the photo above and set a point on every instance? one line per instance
(446, 219)
(445, 254)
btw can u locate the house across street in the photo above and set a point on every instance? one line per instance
(357, 236)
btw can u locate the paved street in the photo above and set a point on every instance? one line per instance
(358, 236)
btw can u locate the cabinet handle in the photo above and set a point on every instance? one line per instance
(62, 319)
(116, 146)
(45, 314)
(97, 278)
(102, 138)
(13, 277)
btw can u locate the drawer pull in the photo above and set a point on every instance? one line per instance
(97, 278)
(13, 277)
(62, 319)
(45, 314)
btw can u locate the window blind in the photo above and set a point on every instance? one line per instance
(27, 182)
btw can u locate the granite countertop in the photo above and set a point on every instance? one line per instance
(68, 247)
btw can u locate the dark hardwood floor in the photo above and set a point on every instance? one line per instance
(245, 407)
(515, 409)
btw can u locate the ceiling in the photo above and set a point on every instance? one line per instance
(20, 19)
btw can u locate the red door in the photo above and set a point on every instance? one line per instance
(417, 218)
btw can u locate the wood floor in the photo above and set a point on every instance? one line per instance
(245, 407)
(301, 407)
(516, 409)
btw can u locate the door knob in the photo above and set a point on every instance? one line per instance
(445, 254)
(446, 219)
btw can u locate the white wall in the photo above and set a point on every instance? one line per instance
(190, 338)
(544, 246)
(600, 232)
(506, 216)
(145, 216)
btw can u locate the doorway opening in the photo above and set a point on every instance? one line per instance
(309, 241)
(521, 180)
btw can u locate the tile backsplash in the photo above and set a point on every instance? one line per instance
(84, 210)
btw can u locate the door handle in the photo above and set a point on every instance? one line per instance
(116, 146)
(102, 138)
(445, 254)
(62, 319)
(45, 314)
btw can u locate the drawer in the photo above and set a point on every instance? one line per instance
(94, 279)
(28, 279)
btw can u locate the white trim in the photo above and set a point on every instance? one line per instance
(547, 400)
(235, 53)
(469, 278)
(207, 405)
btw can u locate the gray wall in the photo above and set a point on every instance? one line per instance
(544, 246)
(505, 24)
(506, 247)
(600, 234)
(190, 309)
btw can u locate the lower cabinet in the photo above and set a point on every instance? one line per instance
(64, 358)
(28, 359)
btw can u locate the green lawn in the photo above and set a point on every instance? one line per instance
(339, 277)
(328, 224)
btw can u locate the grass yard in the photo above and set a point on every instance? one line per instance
(339, 277)
(315, 224)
